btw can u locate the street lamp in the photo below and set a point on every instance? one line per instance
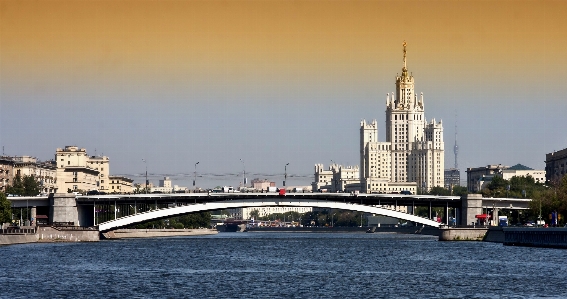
(146, 163)
(285, 174)
(332, 216)
(195, 173)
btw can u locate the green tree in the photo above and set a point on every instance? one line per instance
(5, 209)
(255, 214)
(437, 190)
(26, 186)
(17, 187)
(460, 190)
(195, 220)
(551, 199)
(31, 186)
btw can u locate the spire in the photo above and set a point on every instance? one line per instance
(405, 69)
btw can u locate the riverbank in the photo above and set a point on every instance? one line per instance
(156, 233)
(44, 234)
(433, 231)
(551, 237)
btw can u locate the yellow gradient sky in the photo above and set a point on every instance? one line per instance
(144, 56)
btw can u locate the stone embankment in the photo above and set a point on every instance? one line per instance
(462, 234)
(19, 235)
(67, 234)
(153, 233)
(48, 234)
(514, 236)
(536, 237)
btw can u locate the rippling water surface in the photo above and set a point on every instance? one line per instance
(282, 265)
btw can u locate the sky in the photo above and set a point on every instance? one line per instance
(253, 85)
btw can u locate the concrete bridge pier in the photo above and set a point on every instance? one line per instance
(33, 215)
(63, 208)
(471, 206)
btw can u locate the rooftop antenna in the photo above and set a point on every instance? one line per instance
(456, 147)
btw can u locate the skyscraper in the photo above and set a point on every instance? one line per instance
(414, 148)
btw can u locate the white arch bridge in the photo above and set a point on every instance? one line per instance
(263, 201)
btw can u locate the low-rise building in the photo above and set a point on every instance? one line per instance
(73, 170)
(6, 172)
(46, 174)
(245, 213)
(43, 172)
(452, 178)
(102, 164)
(337, 178)
(259, 184)
(120, 184)
(555, 166)
(478, 178)
(163, 187)
(346, 179)
(323, 179)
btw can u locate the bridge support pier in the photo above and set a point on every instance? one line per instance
(33, 215)
(447, 214)
(471, 206)
(63, 208)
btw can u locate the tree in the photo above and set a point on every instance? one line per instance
(31, 186)
(552, 199)
(437, 190)
(26, 186)
(459, 190)
(5, 209)
(17, 187)
(254, 214)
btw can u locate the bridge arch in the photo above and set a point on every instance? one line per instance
(251, 203)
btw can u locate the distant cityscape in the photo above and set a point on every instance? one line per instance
(410, 160)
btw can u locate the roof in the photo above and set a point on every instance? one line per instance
(520, 167)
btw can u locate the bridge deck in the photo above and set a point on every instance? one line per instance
(363, 199)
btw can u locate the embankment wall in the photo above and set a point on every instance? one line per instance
(462, 234)
(49, 234)
(17, 239)
(153, 233)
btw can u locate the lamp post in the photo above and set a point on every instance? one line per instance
(195, 174)
(285, 174)
(146, 163)
(332, 223)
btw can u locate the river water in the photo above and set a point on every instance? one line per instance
(282, 265)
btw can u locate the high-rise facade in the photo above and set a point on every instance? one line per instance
(414, 148)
